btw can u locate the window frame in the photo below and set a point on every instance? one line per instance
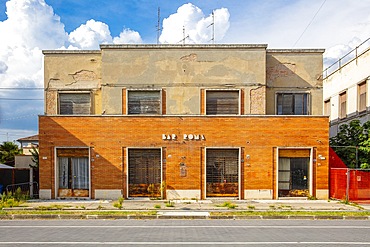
(160, 91)
(362, 100)
(308, 106)
(327, 107)
(206, 91)
(75, 92)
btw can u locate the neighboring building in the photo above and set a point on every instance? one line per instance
(346, 87)
(24, 160)
(183, 121)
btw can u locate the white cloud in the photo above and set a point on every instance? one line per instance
(31, 23)
(28, 28)
(128, 36)
(31, 26)
(3, 67)
(197, 27)
(90, 35)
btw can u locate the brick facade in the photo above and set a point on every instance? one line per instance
(258, 138)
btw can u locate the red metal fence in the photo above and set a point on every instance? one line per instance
(346, 183)
(349, 184)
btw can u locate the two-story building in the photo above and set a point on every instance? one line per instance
(183, 121)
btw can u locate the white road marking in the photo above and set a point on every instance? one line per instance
(187, 243)
(191, 226)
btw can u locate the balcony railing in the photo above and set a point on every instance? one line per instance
(350, 56)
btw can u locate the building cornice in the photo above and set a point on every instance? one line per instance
(187, 46)
(295, 50)
(50, 52)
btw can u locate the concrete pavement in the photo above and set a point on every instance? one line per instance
(186, 209)
(198, 205)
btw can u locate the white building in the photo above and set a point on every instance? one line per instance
(346, 84)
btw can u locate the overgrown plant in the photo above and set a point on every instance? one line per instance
(9, 199)
(118, 203)
(170, 204)
(228, 204)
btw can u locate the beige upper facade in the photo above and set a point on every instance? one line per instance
(187, 79)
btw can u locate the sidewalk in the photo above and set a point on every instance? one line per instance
(188, 209)
(198, 205)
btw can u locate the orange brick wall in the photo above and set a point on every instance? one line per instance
(109, 138)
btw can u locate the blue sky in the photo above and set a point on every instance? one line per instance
(29, 26)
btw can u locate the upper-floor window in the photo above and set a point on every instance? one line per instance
(343, 105)
(74, 103)
(292, 104)
(144, 102)
(222, 102)
(362, 97)
(327, 107)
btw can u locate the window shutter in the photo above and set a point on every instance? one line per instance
(222, 102)
(74, 103)
(144, 102)
(343, 105)
(362, 97)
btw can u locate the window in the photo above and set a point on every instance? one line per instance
(292, 104)
(362, 97)
(343, 105)
(144, 102)
(327, 107)
(74, 103)
(223, 102)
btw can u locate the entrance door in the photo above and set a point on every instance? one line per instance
(222, 172)
(293, 177)
(144, 172)
(73, 177)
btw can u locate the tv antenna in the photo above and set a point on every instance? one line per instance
(158, 25)
(213, 27)
(184, 37)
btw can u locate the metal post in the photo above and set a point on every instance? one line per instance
(347, 187)
(31, 182)
(357, 157)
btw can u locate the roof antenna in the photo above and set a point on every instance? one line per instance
(184, 37)
(213, 27)
(158, 25)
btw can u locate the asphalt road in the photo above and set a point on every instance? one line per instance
(80, 233)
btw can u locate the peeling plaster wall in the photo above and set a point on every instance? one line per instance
(182, 71)
(294, 70)
(71, 71)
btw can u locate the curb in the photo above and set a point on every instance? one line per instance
(164, 217)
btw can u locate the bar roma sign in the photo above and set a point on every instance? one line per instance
(185, 137)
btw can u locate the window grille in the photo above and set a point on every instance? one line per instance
(144, 171)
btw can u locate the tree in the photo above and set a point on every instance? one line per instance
(8, 150)
(352, 144)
